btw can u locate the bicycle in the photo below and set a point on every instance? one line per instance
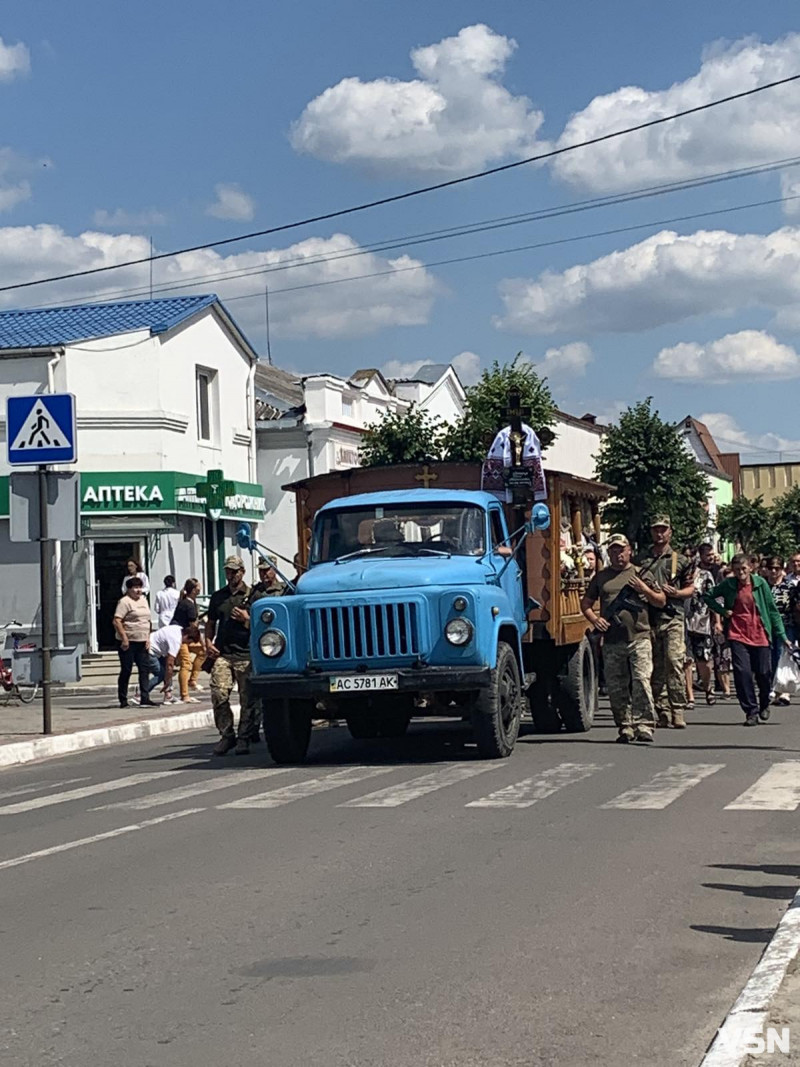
(24, 692)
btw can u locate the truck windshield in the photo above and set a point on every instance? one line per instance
(399, 530)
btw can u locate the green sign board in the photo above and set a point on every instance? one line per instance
(138, 492)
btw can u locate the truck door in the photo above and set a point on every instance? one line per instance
(511, 581)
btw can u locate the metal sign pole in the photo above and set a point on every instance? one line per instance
(44, 564)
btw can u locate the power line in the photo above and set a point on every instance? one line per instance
(448, 233)
(525, 248)
(552, 153)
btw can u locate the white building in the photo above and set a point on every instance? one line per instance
(577, 443)
(164, 395)
(312, 425)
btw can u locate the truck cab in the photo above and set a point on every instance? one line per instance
(412, 604)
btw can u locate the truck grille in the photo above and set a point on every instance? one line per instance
(364, 631)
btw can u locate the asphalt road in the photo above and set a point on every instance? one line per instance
(394, 903)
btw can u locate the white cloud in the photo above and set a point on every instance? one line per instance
(14, 59)
(454, 117)
(790, 187)
(665, 278)
(754, 130)
(15, 169)
(349, 309)
(730, 437)
(11, 195)
(120, 219)
(231, 203)
(750, 355)
(565, 363)
(467, 365)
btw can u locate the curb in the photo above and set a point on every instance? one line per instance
(40, 748)
(750, 1012)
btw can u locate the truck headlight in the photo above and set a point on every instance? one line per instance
(267, 616)
(272, 643)
(458, 631)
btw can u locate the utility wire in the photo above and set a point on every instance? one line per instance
(525, 248)
(552, 153)
(448, 233)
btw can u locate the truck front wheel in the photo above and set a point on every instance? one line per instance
(287, 729)
(497, 710)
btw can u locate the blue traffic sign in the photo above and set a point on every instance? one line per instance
(41, 429)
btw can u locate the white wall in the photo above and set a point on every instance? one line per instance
(574, 449)
(282, 458)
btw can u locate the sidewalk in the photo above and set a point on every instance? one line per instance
(89, 720)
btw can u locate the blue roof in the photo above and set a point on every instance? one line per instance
(412, 496)
(48, 327)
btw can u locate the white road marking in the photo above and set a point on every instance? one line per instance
(39, 787)
(84, 791)
(183, 792)
(777, 790)
(276, 798)
(67, 846)
(527, 792)
(750, 1013)
(665, 786)
(395, 795)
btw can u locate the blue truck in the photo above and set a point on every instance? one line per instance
(416, 602)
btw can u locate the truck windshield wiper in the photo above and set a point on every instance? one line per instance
(433, 552)
(369, 550)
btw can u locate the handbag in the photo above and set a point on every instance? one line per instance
(787, 676)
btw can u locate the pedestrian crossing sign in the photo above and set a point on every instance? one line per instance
(41, 429)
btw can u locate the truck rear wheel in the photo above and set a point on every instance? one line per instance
(287, 729)
(497, 710)
(577, 690)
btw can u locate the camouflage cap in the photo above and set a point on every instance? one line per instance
(234, 563)
(617, 539)
(661, 520)
(267, 561)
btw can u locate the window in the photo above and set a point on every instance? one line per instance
(498, 536)
(347, 407)
(206, 381)
(399, 530)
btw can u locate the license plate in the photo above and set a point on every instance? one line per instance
(361, 683)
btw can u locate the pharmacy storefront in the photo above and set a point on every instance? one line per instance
(171, 522)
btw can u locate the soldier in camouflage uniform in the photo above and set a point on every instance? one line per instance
(674, 574)
(627, 649)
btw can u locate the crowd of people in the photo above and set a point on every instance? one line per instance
(676, 615)
(217, 641)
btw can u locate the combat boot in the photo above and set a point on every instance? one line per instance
(625, 735)
(664, 719)
(678, 720)
(224, 745)
(643, 733)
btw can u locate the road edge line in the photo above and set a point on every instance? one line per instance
(751, 1009)
(17, 753)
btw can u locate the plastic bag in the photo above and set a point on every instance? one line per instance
(787, 676)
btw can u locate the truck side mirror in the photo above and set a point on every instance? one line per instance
(540, 518)
(243, 535)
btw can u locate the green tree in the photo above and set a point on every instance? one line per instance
(786, 510)
(471, 437)
(645, 458)
(410, 436)
(744, 522)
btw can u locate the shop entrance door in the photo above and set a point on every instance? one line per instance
(110, 558)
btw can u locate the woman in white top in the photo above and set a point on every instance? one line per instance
(133, 569)
(166, 600)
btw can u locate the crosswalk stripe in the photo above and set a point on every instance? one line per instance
(276, 798)
(776, 790)
(84, 791)
(183, 792)
(39, 787)
(527, 792)
(664, 787)
(395, 795)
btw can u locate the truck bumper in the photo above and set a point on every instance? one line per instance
(409, 680)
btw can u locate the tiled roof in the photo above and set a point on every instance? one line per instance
(47, 327)
(277, 392)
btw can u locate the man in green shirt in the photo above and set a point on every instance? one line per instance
(627, 649)
(228, 642)
(674, 574)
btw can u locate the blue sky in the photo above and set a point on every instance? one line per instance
(125, 122)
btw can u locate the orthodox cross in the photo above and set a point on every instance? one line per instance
(426, 477)
(515, 413)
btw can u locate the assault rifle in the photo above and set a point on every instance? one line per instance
(627, 599)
